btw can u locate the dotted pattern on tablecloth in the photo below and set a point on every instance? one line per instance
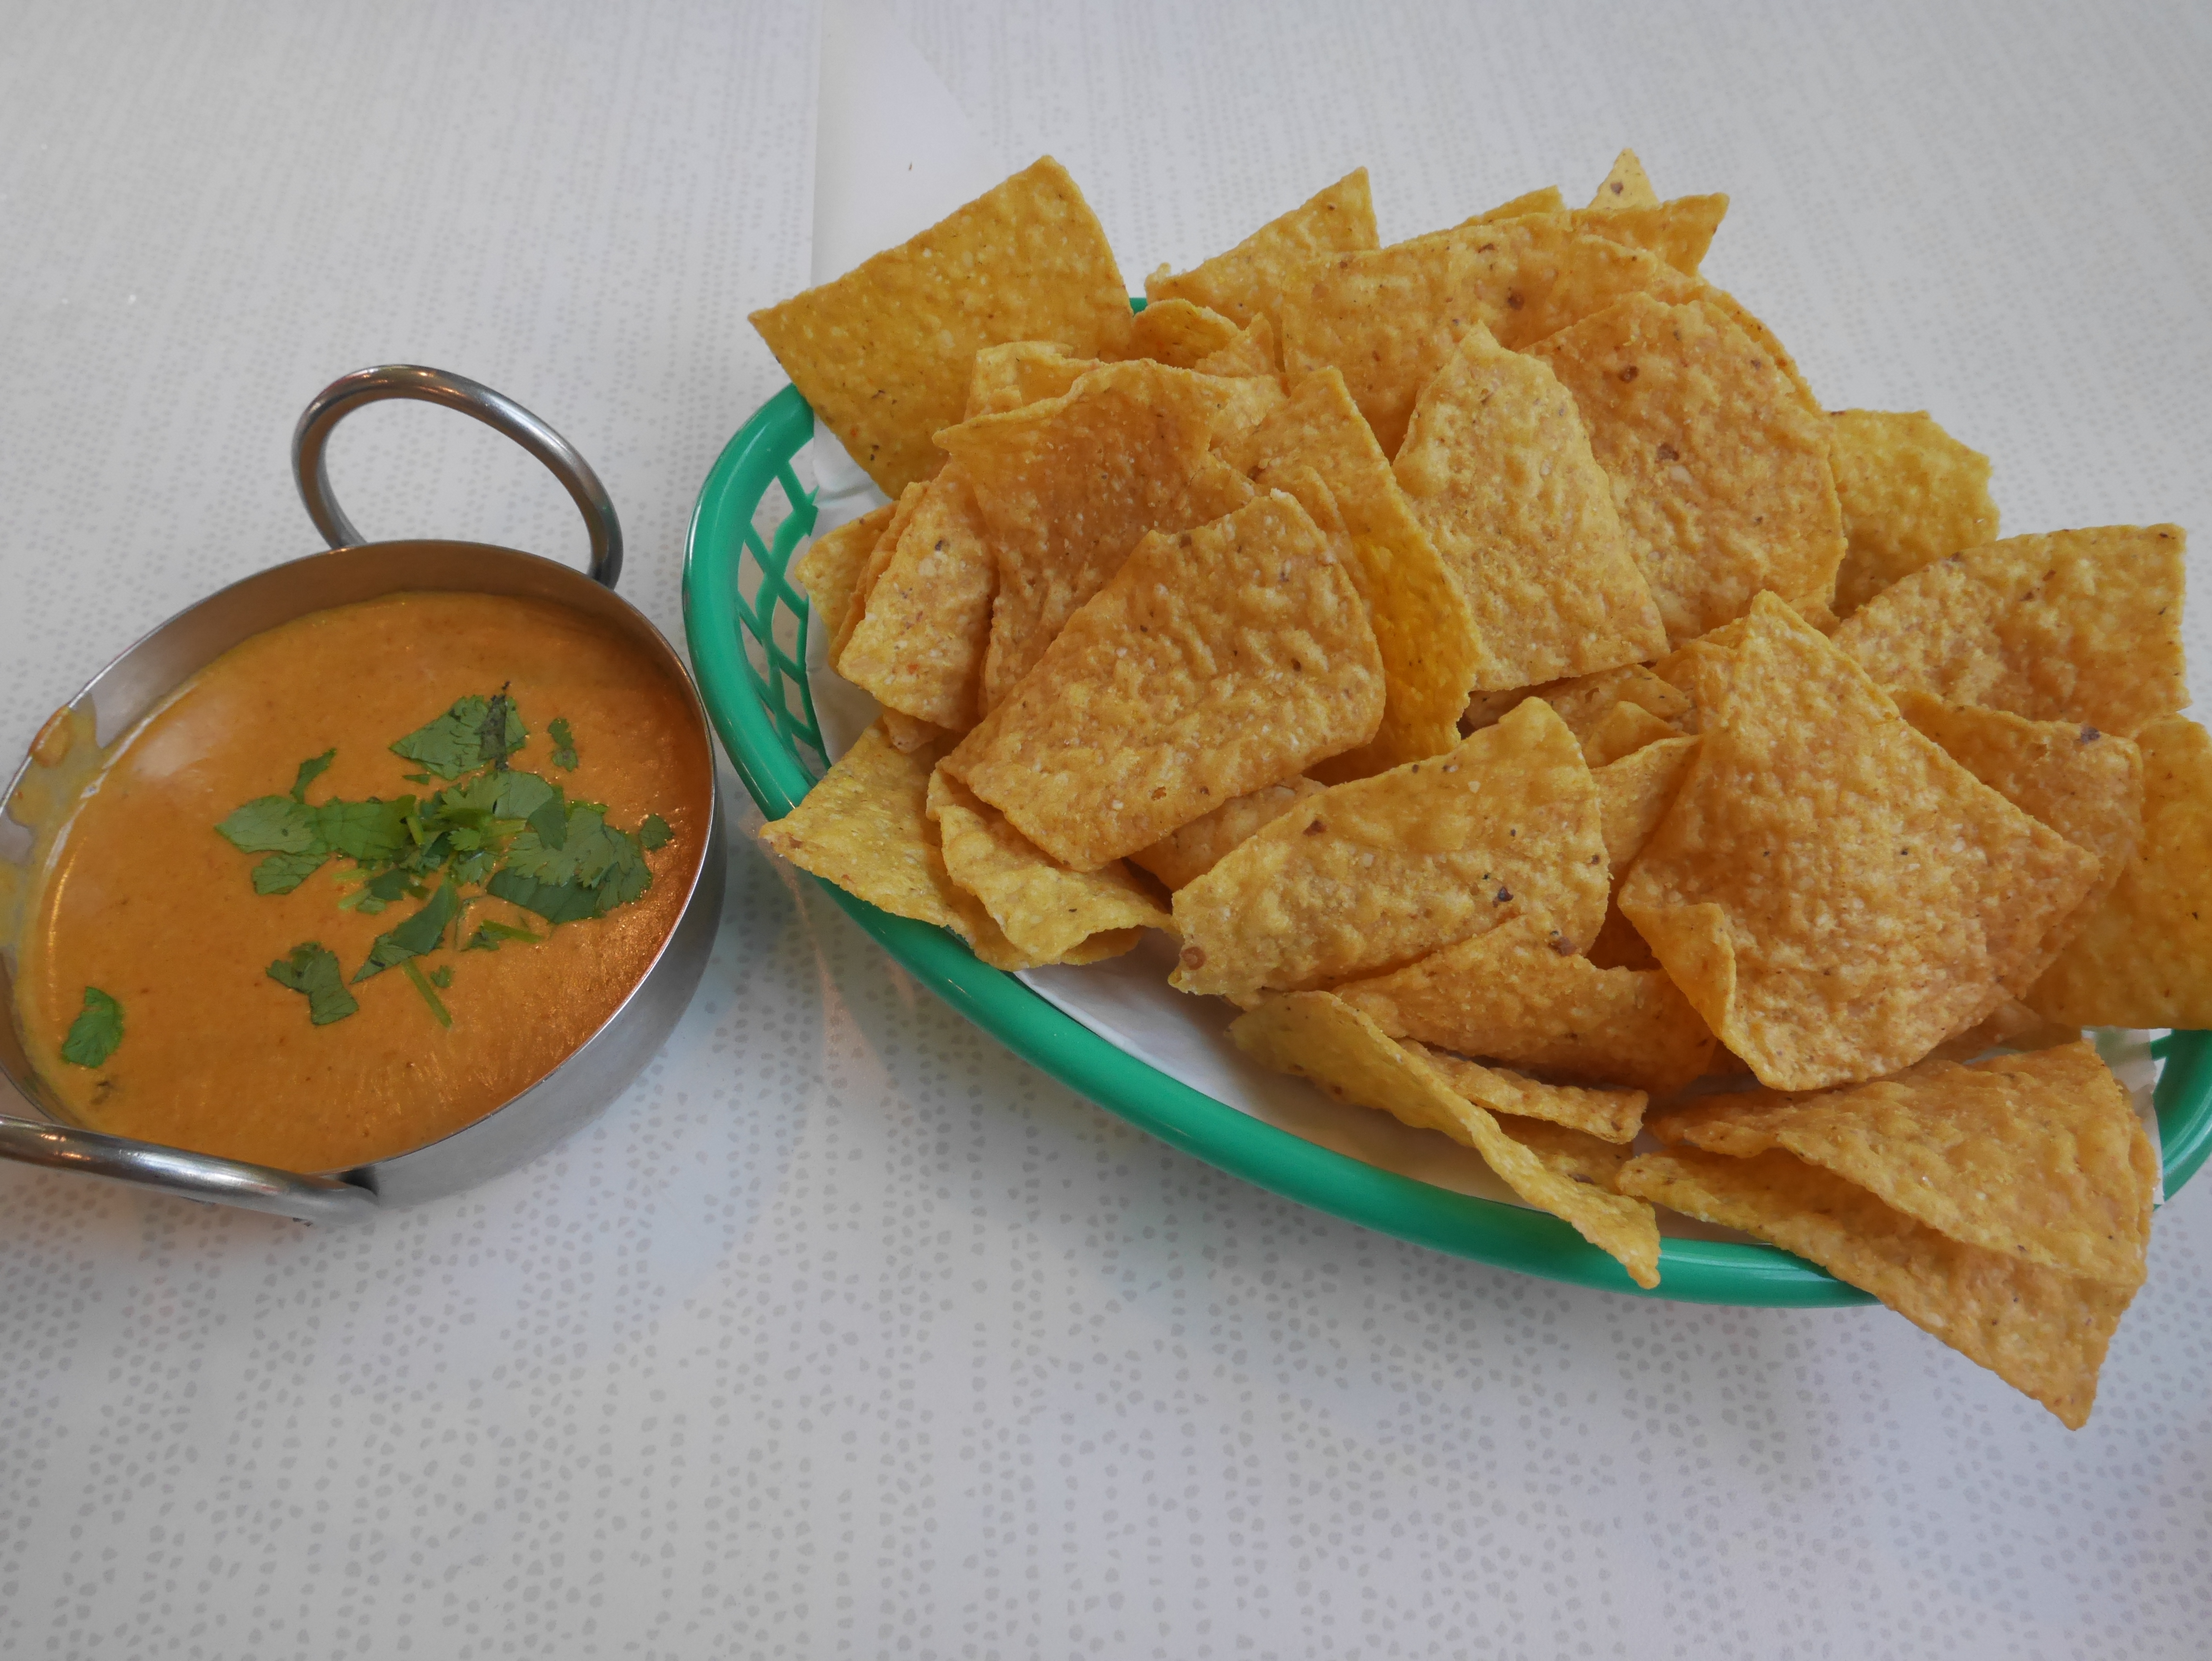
(843, 1333)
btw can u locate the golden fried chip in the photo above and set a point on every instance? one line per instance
(1178, 332)
(865, 827)
(2032, 1156)
(908, 734)
(1376, 874)
(2042, 1332)
(1248, 280)
(877, 561)
(1910, 494)
(2084, 784)
(829, 571)
(2079, 626)
(1497, 469)
(1586, 700)
(1627, 186)
(1184, 856)
(2142, 957)
(1720, 472)
(1626, 728)
(1835, 894)
(919, 645)
(1518, 994)
(1319, 1037)
(1251, 353)
(1679, 232)
(882, 353)
(1432, 653)
(1575, 1154)
(1618, 945)
(1607, 1115)
(1388, 320)
(1213, 663)
(1068, 486)
(2012, 1025)
(1045, 910)
(1021, 372)
(1634, 793)
(1547, 200)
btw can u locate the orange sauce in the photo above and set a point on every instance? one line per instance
(142, 898)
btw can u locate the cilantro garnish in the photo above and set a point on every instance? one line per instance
(313, 969)
(491, 829)
(94, 1033)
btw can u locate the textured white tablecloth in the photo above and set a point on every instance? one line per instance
(842, 1333)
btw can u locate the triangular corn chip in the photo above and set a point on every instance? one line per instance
(1547, 200)
(1513, 994)
(1634, 793)
(1376, 874)
(919, 645)
(877, 561)
(1586, 700)
(1835, 894)
(1184, 856)
(908, 734)
(2079, 625)
(1627, 186)
(829, 571)
(1496, 468)
(1720, 472)
(1388, 320)
(1319, 1037)
(1609, 1116)
(882, 353)
(1248, 281)
(1911, 495)
(1213, 663)
(1021, 372)
(1047, 911)
(2142, 955)
(2044, 1333)
(1252, 353)
(1178, 333)
(2039, 1156)
(1626, 728)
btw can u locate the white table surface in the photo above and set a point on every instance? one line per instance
(843, 1333)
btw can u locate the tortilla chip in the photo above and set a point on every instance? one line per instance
(1178, 332)
(1388, 320)
(1319, 1037)
(1212, 663)
(2032, 1156)
(1626, 728)
(908, 734)
(1431, 651)
(1605, 1115)
(882, 353)
(919, 646)
(2012, 1025)
(1547, 200)
(1497, 469)
(2143, 955)
(1377, 873)
(1512, 995)
(1634, 793)
(1835, 894)
(1068, 486)
(829, 569)
(1910, 494)
(1627, 186)
(1585, 701)
(2080, 626)
(1252, 353)
(2084, 784)
(1720, 472)
(1618, 945)
(2044, 1333)
(1046, 910)
(1248, 281)
(1022, 372)
(1184, 856)
(877, 561)
(864, 826)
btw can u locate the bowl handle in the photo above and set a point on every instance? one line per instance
(189, 1176)
(496, 411)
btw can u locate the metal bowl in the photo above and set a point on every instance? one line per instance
(131, 687)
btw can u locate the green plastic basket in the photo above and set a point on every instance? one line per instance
(747, 623)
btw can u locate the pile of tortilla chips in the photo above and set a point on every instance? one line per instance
(1510, 687)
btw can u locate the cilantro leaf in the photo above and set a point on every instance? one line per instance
(313, 969)
(422, 985)
(550, 822)
(555, 902)
(443, 976)
(521, 795)
(564, 743)
(473, 732)
(280, 873)
(474, 868)
(372, 832)
(94, 1033)
(310, 770)
(271, 825)
(411, 939)
(655, 833)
